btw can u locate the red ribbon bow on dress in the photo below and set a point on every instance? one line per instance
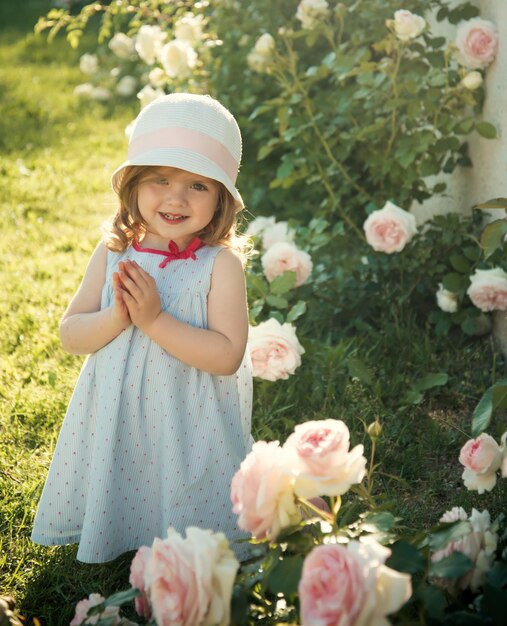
(174, 252)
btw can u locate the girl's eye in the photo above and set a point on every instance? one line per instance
(199, 187)
(162, 181)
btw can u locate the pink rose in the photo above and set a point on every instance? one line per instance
(320, 459)
(488, 289)
(189, 581)
(284, 256)
(477, 43)
(481, 458)
(350, 585)
(389, 229)
(136, 579)
(83, 606)
(274, 349)
(478, 544)
(262, 493)
(275, 233)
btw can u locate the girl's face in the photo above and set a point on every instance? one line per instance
(175, 204)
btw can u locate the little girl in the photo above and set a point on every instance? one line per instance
(159, 421)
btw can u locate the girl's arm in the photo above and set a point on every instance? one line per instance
(219, 349)
(84, 327)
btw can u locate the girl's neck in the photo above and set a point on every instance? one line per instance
(150, 240)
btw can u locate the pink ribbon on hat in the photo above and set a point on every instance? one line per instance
(174, 253)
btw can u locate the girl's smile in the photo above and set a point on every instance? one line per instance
(175, 204)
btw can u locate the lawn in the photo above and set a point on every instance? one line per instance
(57, 154)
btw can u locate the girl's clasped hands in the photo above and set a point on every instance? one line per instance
(136, 298)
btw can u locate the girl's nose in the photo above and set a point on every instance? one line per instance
(175, 194)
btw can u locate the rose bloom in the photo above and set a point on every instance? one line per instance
(262, 494)
(472, 80)
(481, 458)
(101, 94)
(94, 599)
(157, 77)
(147, 95)
(350, 586)
(148, 41)
(84, 91)
(178, 58)
(265, 45)
(89, 64)
(320, 459)
(408, 25)
(189, 28)
(189, 581)
(280, 231)
(284, 256)
(258, 62)
(126, 86)
(477, 43)
(274, 349)
(122, 45)
(136, 579)
(310, 12)
(389, 229)
(488, 289)
(447, 300)
(479, 545)
(259, 225)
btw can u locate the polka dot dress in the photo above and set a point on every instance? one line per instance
(147, 442)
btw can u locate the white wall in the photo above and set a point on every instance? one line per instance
(488, 176)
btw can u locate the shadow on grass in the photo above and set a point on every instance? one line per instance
(61, 581)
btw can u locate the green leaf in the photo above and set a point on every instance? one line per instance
(499, 396)
(455, 565)
(472, 253)
(454, 282)
(412, 397)
(122, 597)
(284, 577)
(358, 369)
(434, 602)
(492, 236)
(277, 301)
(486, 130)
(283, 283)
(431, 380)
(284, 170)
(383, 520)
(405, 558)
(297, 310)
(482, 414)
(460, 263)
(494, 203)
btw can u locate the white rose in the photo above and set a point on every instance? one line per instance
(83, 91)
(148, 95)
(265, 45)
(488, 289)
(148, 41)
(178, 58)
(126, 86)
(102, 94)
(189, 28)
(89, 64)
(472, 80)
(157, 77)
(260, 224)
(275, 350)
(257, 62)
(310, 12)
(284, 256)
(478, 482)
(280, 231)
(389, 229)
(447, 300)
(122, 45)
(407, 25)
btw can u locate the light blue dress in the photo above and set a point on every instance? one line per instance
(147, 442)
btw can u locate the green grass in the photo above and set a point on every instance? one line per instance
(56, 158)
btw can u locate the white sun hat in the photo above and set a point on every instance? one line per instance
(188, 131)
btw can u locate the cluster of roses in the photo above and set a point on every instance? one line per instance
(274, 348)
(167, 59)
(476, 43)
(189, 581)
